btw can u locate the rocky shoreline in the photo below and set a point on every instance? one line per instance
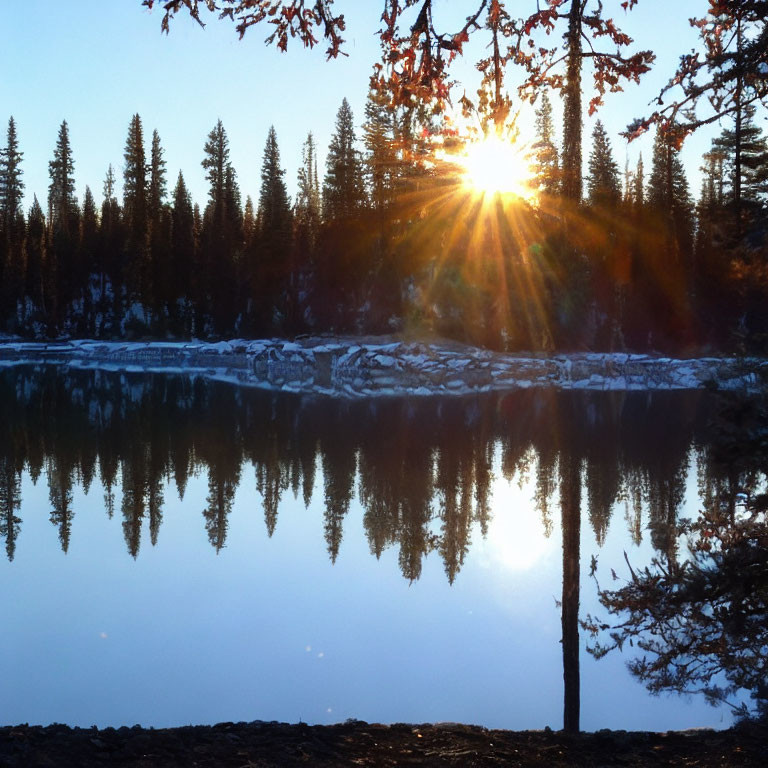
(279, 745)
(375, 366)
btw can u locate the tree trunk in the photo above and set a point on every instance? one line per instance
(570, 505)
(572, 109)
(738, 131)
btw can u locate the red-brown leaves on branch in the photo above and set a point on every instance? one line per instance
(416, 54)
(544, 66)
(288, 18)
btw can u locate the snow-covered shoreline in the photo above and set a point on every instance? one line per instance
(370, 367)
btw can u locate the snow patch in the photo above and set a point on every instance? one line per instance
(365, 369)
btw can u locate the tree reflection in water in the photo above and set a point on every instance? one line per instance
(423, 470)
(699, 622)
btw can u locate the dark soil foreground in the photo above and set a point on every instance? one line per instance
(264, 745)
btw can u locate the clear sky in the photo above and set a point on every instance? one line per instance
(96, 63)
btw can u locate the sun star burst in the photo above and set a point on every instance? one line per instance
(494, 166)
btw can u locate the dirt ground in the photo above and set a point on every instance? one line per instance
(264, 745)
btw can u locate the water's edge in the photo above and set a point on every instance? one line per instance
(364, 368)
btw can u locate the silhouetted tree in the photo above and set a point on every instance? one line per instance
(546, 166)
(63, 221)
(273, 297)
(603, 179)
(343, 192)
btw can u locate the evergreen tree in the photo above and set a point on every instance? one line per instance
(745, 156)
(638, 188)
(307, 206)
(232, 290)
(109, 261)
(159, 222)
(545, 162)
(603, 180)
(343, 191)
(61, 191)
(215, 163)
(379, 132)
(12, 228)
(87, 257)
(306, 217)
(216, 275)
(275, 234)
(135, 211)
(182, 245)
(11, 185)
(157, 181)
(667, 263)
(250, 226)
(274, 206)
(63, 220)
(36, 258)
(668, 193)
(712, 259)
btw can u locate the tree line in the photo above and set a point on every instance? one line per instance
(638, 263)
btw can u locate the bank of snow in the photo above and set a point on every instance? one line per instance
(364, 368)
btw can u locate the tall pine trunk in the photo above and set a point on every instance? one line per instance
(570, 506)
(572, 108)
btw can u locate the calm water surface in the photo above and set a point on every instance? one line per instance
(181, 551)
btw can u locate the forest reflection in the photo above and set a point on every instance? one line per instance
(423, 468)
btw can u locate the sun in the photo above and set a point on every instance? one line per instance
(494, 166)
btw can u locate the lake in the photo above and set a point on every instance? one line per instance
(185, 551)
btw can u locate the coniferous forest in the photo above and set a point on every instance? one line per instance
(383, 239)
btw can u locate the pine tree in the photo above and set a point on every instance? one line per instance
(670, 258)
(109, 184)
(250, 226)
(12, 228)
(668, 193)
(157, 182)
(712, 258)
(274, 233)
(135, 211)
(603, 180)
(215, 286)
(182, 243)
(381, 159)
(63, 220)
(667, 185)
(36, 257)
(215, 164)
(545, 162)
(11, 185)
(638, 188)
(306, 217)
(307, 206)
(61, 192)
(343, 191)
(87, 256)
(747, 152)
(109, 261)
(159, 223)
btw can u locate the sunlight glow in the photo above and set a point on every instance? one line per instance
(516, 538)
(493, 166)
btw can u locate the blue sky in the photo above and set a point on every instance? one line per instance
(96, 63)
